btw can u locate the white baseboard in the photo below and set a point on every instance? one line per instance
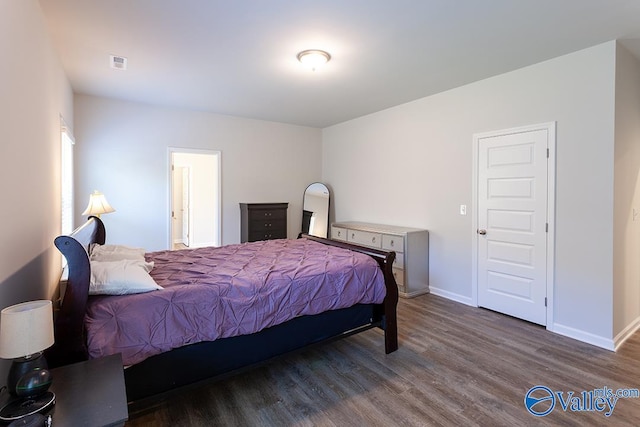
(626, 333)
(451, 295)
(577, 334)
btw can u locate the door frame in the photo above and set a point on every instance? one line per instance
(186, 172)
(550, 127)
(218, 156)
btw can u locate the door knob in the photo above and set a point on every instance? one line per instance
(482, 232)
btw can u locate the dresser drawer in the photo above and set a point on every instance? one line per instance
(338, 233)
(268, 224)
(262, 214)
(399, 261)
(392, 243)
(267, 235)
(399, 276)
(365, 238)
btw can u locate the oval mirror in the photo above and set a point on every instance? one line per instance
(315, 210)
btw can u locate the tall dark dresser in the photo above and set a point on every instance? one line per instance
(263, 221)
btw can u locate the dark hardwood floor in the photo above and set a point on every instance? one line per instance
(456, 366)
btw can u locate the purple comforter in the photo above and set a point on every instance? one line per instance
(212, 293)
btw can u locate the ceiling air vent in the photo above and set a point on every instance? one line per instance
(118, 62)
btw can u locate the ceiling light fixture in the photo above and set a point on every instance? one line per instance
(313, 58)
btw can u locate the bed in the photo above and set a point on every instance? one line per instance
(216, 354)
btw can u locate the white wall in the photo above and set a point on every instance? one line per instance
(34, 92)
(122, 150)
(626, 251)
(411, 165)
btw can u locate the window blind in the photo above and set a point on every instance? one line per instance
(66, 173)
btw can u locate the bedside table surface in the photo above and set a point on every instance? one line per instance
(90, 393)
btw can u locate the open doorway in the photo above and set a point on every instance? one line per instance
(194, 189)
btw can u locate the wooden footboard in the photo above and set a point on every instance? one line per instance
(388, 309)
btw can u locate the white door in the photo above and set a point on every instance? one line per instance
(186, 205)
(512, 223)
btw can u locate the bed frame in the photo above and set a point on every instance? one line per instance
(194, 363)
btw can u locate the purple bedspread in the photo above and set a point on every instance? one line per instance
(212, 293)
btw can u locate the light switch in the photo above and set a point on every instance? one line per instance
(463, 209)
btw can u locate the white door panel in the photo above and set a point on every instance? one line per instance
(514, 221)
(510, 253)
(510, 188)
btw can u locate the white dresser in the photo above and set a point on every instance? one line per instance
(411, 245)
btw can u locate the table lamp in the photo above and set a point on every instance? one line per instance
(26, 330)
(97, 205)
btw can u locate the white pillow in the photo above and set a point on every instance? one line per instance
(115, 253)
(121, 278)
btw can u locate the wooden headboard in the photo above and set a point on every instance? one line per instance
(70, 342)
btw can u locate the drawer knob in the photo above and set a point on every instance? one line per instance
(373, 240)
(392, 243)
(353, 235)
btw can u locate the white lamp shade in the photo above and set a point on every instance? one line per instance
(98, 205)
(26, 329)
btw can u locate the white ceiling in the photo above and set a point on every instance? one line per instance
(238, 57)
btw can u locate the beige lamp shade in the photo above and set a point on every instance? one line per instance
(26, 329)
(98, 205)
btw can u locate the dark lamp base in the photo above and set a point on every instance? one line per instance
(22, 366)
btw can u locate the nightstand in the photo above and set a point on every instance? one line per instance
(90, 393)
